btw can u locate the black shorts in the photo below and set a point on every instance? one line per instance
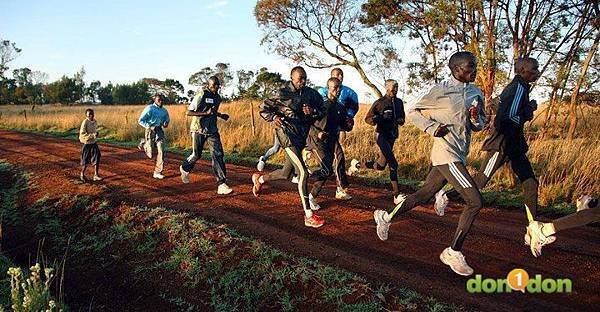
(90, 154)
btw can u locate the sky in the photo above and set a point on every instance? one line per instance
(124, 41)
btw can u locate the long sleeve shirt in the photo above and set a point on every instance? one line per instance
(88, 131)
(288, 104)
(386, 114)
(347, 97)
(203, 102)
(154, 116)
(513, 111)
(335, 119)
(449, 103)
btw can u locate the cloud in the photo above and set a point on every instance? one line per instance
(218, 6)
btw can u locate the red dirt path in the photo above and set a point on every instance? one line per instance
(409, 258)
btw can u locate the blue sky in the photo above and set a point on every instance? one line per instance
(128, 40)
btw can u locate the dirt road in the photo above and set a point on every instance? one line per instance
(409, 258)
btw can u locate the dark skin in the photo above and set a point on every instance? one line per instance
(212, 86)
(463, 72)
(158, 100)
(90, 117)
(333, 92)
(298, 78)
(391, 91)
(530, 72)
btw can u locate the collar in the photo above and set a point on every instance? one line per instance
(154, 103)
(453, 82)
(522, 81)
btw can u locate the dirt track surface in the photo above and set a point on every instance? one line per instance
(409, 258)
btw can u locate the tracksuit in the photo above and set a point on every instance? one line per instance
(292, 135)
(386, 114)
(205, 132)
(507, 143)
(152, 119)
(349, 100)
(324, 149)
(448, 103)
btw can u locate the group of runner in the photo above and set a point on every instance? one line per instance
(310, 123)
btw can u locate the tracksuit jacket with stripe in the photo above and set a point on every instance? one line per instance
(288, 104)
(448, 103)
(514, 110)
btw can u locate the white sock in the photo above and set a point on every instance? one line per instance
(261, 180)
(308, 213)
(387, 217)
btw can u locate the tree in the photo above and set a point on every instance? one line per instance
(65, 90)
(8, 53)
(92, 90)
(321, 34)
(172, 89)
(245, 80)
(135, 93)
(221, 71)
(266, 84)
(105, 94)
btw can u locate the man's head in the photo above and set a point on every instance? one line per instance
(334, 87)
(527, 67)
(158, 99)
(89, 114)
(463, 66)
(391, 88)
(338, 73)
(298, 77)
(213, 84)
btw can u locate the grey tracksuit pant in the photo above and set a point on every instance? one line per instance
(213, 142)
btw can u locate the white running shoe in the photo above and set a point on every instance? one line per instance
(306, 154)
(260, 166)
(342, 193)
(586, 202)
(185, 176)
(537, 239)
(158, 175)
(354, 166)
(224, 189)
(295, 180)
(382, 225)
(549, 240)
(97, 178)
(399, 199)
(441, 202)
(456, 261)
(313, 203)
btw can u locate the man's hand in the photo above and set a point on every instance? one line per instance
(350, 123)
(441, 131)
(223, 116)
(278, 121)
(322, 135)
(152, 128)
(307, 110)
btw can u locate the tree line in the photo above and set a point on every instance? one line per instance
(27, 86)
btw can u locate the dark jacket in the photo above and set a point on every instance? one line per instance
(288, 104)
(389, 126)
(514, 110)
(203, 102)
(335, 119)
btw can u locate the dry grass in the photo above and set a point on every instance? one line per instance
(565, 169)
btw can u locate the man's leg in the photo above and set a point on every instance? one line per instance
(434, 182)
(160, 142)
(217, 155)
(273, 150)
(491, 162)
(387, 149)
(380, 162)
(198, 141)
(522, 168)
(148, 142)
(340, 165)
(324, 154)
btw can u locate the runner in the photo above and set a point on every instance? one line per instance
(292, 113)
(90, 153)
(454, 109)
(324, 137)
(154, 118)
(204, 110)
(386, 114)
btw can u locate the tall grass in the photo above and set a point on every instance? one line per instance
(566, 169)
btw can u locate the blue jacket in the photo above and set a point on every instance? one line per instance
(153, 115)
(347, 97)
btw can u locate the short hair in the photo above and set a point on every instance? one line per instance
(390, 83)
(214, 79)
(297, 68)
(521, 61)
(334, 80)
(337, 70)
(460, 58)
(158, 94)
(89, 110)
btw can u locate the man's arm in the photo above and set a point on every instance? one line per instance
(351, 103)
(400, 115)
(510, 102)
(374, 114)
(428, 101)
(477, 121)
(143, 120)
(83, 134)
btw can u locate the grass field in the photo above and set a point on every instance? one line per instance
(566, 169)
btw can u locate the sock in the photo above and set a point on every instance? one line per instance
(261, 180)
(308, 213)
(387, 217)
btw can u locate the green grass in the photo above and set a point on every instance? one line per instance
(192, 263)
